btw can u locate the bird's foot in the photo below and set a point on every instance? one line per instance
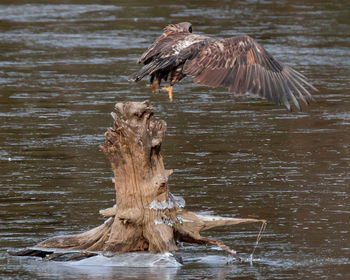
(170, 92)
(154, 87)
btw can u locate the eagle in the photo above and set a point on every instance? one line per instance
(238, 63)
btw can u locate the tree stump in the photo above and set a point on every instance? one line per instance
(147, 217)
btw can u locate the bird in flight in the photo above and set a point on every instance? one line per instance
(237, 63)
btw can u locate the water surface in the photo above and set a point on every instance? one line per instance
(63, 66)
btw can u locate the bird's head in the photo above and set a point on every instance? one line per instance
(179, 27)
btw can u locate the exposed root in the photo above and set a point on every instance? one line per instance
(198, 239)
(52, 255)
(80, 256)
(191, 224)
(30, 252)
(109, 212)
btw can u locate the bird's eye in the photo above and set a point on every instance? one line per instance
(190, 29)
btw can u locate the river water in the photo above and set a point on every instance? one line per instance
(63, 66)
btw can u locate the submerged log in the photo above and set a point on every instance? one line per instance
(146, 217)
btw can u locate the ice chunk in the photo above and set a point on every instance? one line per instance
(131, 260)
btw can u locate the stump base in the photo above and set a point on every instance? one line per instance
(147, 217)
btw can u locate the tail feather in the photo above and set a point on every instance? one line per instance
(137, 76)
(150, 68)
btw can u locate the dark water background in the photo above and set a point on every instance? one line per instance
(63, 66)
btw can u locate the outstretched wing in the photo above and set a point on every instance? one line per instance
(243, 66)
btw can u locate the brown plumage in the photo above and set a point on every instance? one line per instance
(238, 63)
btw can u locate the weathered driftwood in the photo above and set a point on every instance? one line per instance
(146, 216)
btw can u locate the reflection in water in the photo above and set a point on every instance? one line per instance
(62, 69)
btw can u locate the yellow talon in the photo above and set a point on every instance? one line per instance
(154, 87)
(170, 92)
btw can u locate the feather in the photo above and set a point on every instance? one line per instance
(238, 63)
(247, 67)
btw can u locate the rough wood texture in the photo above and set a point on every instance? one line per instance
(146, 216)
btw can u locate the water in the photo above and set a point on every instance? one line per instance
(64, 66)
